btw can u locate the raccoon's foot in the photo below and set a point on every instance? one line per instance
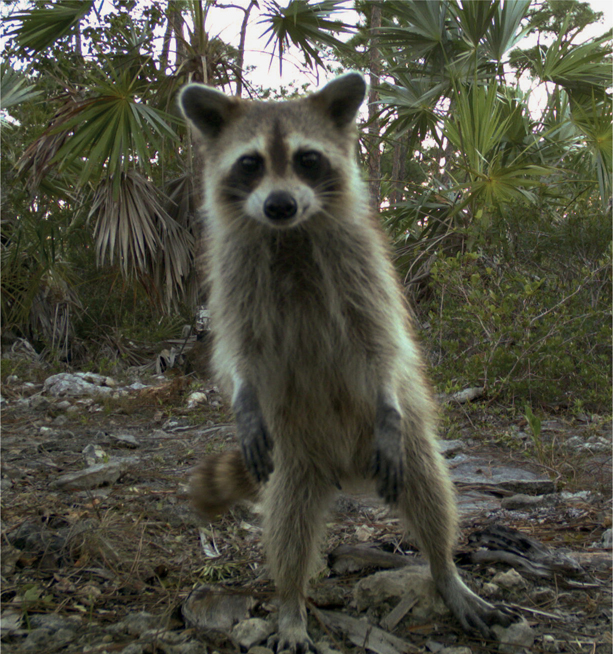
(292, 635)
(252, 434)
(387, 460)
(474, 614)
(293, 640)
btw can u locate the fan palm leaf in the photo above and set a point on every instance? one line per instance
(41, 27)
(133, 230)
(306, 25)
(14, 88)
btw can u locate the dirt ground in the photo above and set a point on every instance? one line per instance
(96, 557)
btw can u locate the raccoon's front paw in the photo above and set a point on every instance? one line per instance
(387, 456)
(256, 445)
(253, 436)
(387, 469)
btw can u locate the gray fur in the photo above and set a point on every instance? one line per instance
(313, 341)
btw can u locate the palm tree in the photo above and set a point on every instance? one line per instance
(116, 151)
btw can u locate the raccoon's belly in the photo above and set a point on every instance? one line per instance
(320, 406)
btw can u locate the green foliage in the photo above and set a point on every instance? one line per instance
(14, 89)
(534, 423)
(526, 330)
(306, 25)
(40, 29)
(120, 310)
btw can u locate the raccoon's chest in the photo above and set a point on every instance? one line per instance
(295, 304)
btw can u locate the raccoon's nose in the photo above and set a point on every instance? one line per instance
(280, 205)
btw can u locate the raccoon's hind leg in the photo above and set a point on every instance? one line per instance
(295, 503)
(418, 483)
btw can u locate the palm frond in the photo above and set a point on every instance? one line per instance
(503, 32)
(133, 231)
(41, 27)
(14, 87)
(306, 25)
(419, 29)
(581, 67)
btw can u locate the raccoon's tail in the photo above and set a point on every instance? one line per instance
(220, 481)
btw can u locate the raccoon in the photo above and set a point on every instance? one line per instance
(313, 342)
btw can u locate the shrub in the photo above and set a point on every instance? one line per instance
(524, 332)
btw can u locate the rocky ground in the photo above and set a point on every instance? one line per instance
(102, 553)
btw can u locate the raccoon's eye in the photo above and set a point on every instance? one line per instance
(251, 164)
(309, 160)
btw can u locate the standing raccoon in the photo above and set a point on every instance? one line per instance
(313, 342)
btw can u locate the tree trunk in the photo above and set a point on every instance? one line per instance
(374, 129)
(175, 17)
(398, 170)
(167, 37)
(241, 49)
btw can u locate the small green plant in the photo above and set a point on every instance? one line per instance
(33, 597)
(220, 572)
(534, 423)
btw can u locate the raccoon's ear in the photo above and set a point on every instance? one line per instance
(209, 110)
(341, 98)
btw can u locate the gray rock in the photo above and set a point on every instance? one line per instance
(75, 384)
(510, 579)
(136, 386)
(49, 432)
(196, 398)
(10, 621)
(467, 395)
(137, 624)
(549, 643)
(94, 454)
(482, 472)
(43, 640)
(39, 402)
(208, 607)
(542, 595)
(258, 649)
(36, 641)
(253, 631)
(101, 474)
(471, 502)
(490, 590)
(456, 650)
(580, 497)
(516, 639)
(451, 448)
(521, 501)
(52, 622)
(390, 586)
(127, 440)
(607, 539)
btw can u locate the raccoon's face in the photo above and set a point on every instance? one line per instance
(277, 163)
